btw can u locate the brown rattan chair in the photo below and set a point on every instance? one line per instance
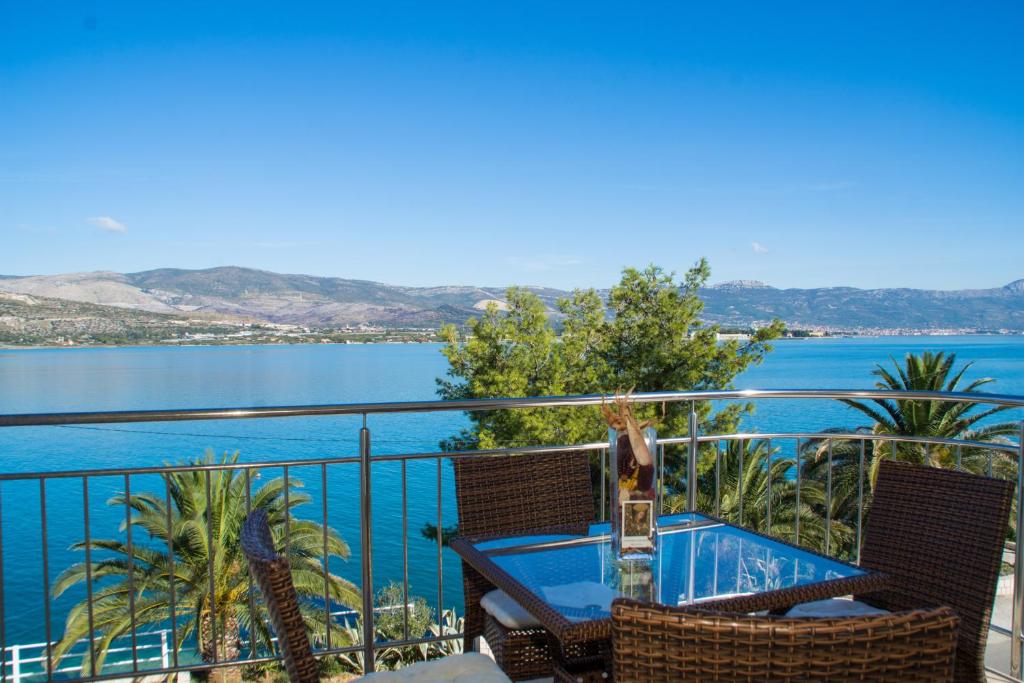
(658, 644)
(518, 494)
(939, 536)
(274, 577)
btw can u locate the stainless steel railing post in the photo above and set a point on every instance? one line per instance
(799, 478)
(768, 529)
(860, 498)
(604, 483)
(366, 537)
(691, 462)
(1017, 646)
(658, 454)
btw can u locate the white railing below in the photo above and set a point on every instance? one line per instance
(29, 662)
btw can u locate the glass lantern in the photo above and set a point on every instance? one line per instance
(634, 494)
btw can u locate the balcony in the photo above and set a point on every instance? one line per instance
(129, 529)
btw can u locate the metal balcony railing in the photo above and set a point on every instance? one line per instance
(682, 459)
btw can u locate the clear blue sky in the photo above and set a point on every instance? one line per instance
(804, 144)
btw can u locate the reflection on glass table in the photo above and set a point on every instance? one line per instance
(697, 559)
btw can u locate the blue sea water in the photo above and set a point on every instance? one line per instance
(193, 377)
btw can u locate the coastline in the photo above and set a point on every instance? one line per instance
(72, 347)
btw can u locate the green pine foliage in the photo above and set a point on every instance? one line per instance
(647, 336)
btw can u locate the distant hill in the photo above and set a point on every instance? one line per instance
(338, 302)
(273, 297)
(30, 319)
(741, 303)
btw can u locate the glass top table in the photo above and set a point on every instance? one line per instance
(568, 582)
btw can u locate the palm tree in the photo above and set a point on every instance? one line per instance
(943, 419)
(743, 494)
(204, 538)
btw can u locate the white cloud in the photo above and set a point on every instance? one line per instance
(543, 261)
(758, 248)
(108, 224)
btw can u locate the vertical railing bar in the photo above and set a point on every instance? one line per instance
(739, 481)
(661, 479)
(860, 497)
(769, 529)
(3, 618)
(327, 566)
(366, 538)
(88, 581)
(799, 480)
(211, 599)
(131, 569)
(691, 463)
(48, 625)
(718, 478)
(287, 514)
(959, 457)
(828, 502)
(691, 575)
(604, 482)
(171, 571)
(989, 468)
(1018, 566)
(251, 589)
(405, 553)
(248, 491)
(440, 547)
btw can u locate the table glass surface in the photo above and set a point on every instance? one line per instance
(696, 560)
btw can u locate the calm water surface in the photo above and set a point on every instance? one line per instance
(195, 377)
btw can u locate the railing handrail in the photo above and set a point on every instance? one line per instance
(1008, 447)
(183, 414)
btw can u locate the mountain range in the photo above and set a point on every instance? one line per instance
(330, 302)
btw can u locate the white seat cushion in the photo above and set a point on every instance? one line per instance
(507, 611)
(468, 668)
(835, 607)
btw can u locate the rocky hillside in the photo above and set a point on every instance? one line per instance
(338, 302)
(273, 297)
(29, 319)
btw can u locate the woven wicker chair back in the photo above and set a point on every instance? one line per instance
(274, 578)
(939, 535)
(658, 644)
(514, 494)
(509, 494)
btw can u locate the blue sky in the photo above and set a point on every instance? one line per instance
(804, 144)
